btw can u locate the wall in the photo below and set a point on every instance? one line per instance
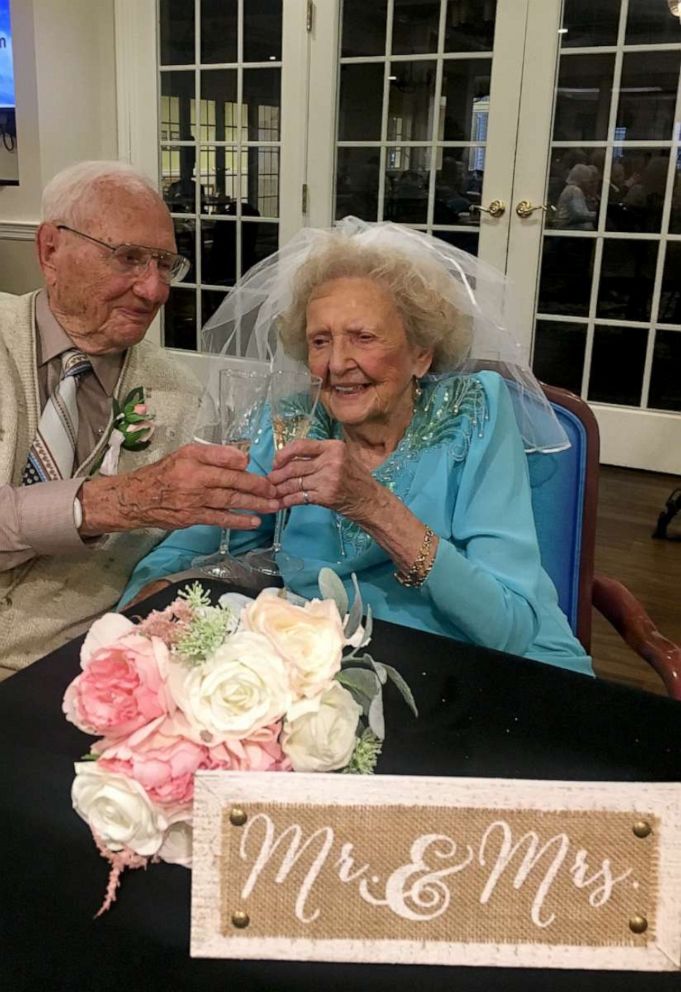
(64, 58)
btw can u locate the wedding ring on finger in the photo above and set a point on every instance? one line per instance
(306, 498)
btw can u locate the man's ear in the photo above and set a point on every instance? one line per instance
(47, 241)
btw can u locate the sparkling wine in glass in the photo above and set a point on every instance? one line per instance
(236, 422)
(293, 400)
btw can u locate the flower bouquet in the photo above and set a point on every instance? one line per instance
(271, 684)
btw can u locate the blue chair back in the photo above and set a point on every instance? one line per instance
(564, 493)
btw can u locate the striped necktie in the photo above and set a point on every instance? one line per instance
(54, 447)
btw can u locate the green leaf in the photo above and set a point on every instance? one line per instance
(355, 615)
(136, 446)
(331, 587)
(362, 684)
(135, 396)
(376, 717)
(402, 687)
(136, 418)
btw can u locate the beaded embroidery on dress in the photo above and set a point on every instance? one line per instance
(449, 412)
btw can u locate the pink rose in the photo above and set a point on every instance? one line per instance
(121, 688)
(164, 766)
(140, 409)
(261, 752)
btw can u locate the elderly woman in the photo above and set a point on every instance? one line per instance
(418, 484)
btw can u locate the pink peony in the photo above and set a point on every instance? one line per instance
(121, 688)
(261, 752)
(164, 766)
(140, 409)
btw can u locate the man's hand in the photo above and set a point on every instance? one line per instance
(197, 484)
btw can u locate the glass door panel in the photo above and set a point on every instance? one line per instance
(413, 113)
(607, 320)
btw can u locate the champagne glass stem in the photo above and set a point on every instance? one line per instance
(280, 519)
(224, 541)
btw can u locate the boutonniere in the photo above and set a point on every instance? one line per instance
(132, 428)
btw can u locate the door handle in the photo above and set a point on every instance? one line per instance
(526, 208)
(497, 208)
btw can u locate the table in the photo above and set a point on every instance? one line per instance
(482, 713)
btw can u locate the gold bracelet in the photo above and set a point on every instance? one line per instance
(420, 568)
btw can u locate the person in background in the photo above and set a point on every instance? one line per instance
(106, 247)
(416, 483)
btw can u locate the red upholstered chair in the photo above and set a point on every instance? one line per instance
(565, 496)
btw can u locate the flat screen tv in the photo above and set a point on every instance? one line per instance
(9, 168)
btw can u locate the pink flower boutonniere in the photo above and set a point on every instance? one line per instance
(132, 429)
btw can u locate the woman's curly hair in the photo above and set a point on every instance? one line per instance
(420, 289)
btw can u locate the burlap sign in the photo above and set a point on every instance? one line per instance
(328, 867)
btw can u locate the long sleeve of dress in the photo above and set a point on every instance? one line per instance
(485, 579)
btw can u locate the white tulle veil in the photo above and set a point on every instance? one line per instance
(245, 324)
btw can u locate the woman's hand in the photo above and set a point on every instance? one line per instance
(326, 473)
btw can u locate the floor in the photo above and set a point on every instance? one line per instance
(628, 507)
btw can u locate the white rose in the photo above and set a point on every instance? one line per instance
(240, 688)
(176, 848)
(103, 633)
(117, 809)
(322, 737)
(309, 638)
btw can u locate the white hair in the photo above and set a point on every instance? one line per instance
(69, 194)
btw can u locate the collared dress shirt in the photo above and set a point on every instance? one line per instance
(38, 519)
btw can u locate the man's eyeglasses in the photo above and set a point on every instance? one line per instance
(134, 260)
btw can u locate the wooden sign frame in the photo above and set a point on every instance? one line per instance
(359, 869)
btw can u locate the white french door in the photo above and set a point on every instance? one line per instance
(541, 135)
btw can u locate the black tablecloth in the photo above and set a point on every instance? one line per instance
(482, 713)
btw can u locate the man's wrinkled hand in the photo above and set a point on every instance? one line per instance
(197, 484)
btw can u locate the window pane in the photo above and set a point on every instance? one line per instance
(627, 277)
(670, 296)
(361, 101)
(262, 30)
(650, 23)
(566, 272)
(559, 353)
(617, 362)
(563, 161)
(665, 382)
(218, 252)
(219, 27)
(412, 93)
(638, 180)
(176, 19)
(648, 96)
(675, 216)
(465, 96)
(177, 179)
(262, 103)
(470, 27)
(415, 26)
(363, 27)
(210, 301)
(406, 185)
(465, 240)
(185, 238)
(576, 207)
(458, 183)
(357, 182)
(262, 183)
(179, 319)
(583, 98)
(587, 24)
(258, 245)
(220, 178)
(177, 106)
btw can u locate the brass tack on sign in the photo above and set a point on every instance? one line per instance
(237, 816)
(240, 919)
(642, 828)
(638, 924)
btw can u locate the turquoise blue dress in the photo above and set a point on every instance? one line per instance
(461, 469)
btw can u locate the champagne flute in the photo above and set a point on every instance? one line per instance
(242, 395)
(293, 400)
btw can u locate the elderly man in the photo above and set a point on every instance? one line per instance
(107, 251)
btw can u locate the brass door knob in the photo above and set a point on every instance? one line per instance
(526, 208)
(497, 208)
